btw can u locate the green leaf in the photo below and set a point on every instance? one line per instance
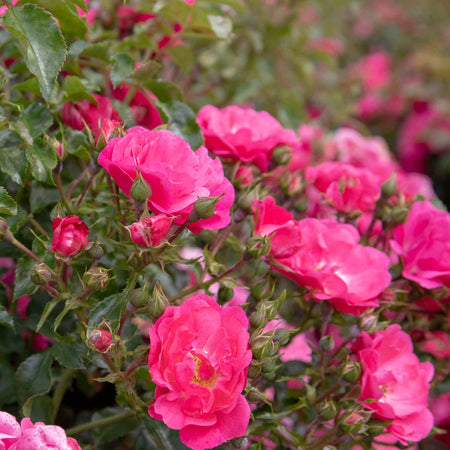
(111, 309)
(49, 307)
(183, 56)
(164, 90)
(41, 38)
(7, 203)
(146, 71)
(41, 197)
(69, 355)
(123, 67)
(12, 161)
(111, 432)
(31, 85)
(7, 391)
(42, 160)
(70, 22)
(23, 284)
(69, 306)
(37, 118)
(5, 318)
(33, 378)
(183, 122)
(75, 90)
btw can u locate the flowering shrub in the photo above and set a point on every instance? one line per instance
(223, 224)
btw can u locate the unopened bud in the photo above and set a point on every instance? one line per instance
(327, 410)
(205, 207)
(327, 343)
(108, 130)
(262, 347)
(376, 427)
(243, 177)
(254, 369)
(351, 371)
(255, 396)
(139, 297)
(225, 294)
(158, 302)
(41, 274)
(5, 234)
(311, 395)
(399, 214)
(57, 211)
(100, 339)
(258, 246)
(140, 189)
(281, 155)
(96, 278)
(353, 423)
(258, 319)
(390, 187)
(246, 199)
(96, 250)
(260, 289)
(368, 323)
(301, 205)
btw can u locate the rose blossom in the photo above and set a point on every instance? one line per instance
(346, 187)
(150, 231)
(76, 114)
(323, 256)
(242, 134)
(177, 175)
(398, 383)
(198, 359)
(9, 430)
(70, 236)
(424, 246)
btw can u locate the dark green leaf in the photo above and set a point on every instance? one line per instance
(69, 306)
(183, 56)
(33, 378)
(99, 50)
(23, 284)
(41, 38)
(70, 22)
(163, 436)
(111, 309)
(5, 318)
(164, 90)
(41, 409)
(75, 90)
(43, 160)
(111, 432)
(37, 118)
(7, 391)
(78, 145)
(12, 161)
(31, 85)
(49, 307)
(123, 67)
(7, 203)
(42, 197)
(69, 355)
(183, 122)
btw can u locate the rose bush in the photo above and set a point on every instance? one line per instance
(198, 359)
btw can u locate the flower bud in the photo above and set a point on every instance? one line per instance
(151, 231)
(246, 199)
(5, 234)
(260, 289)
(106, 132)
(243, 177)
(281, 155)
(258, 246)
(96, 278)
(96, 250)
(140, 190)
(205, 207)
(41, 274)
(390, 187)
(57, 211)
(351, 371)
(158, 302)
(70, 236)
(255, 396)
(327, 410)
(301, 205)
(258, 319)
(139, 297)
(399, 214)
(353, 423)
(100, 339)
(254, 369)
(225, 294)
(376, 427)
(327, 343)
(262, 347)
(368, 323)
(311, 395)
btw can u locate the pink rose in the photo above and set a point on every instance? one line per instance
(70, 236)
(199, 355)
(375, 70)
(144, 112)
(325, 257)
(393, 376)
(177, 175)
(242, 134)
(150, 231)
(9, 430)
(345, 187)
(424, 246)
(39, 436)
(76, 114)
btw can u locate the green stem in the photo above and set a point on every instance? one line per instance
(60, 390)
(62, 192)
(99, 423)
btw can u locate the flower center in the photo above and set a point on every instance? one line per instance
(204, 373)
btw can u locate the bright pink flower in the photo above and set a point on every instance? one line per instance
(242, 134)
(346, 188)
(9, 430)
(438, 344)
(375, 70)
(350, 147)
(244, 175)
(199, 355)
(177, 175)
(143, 110)
(440, 406)
(94, 115)
(150, 231)
(106, 130)
(70, 236)
(39, 436)
(413, 184)
(325, 257)
(393, 376)
(424, 246)
(127, 17)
